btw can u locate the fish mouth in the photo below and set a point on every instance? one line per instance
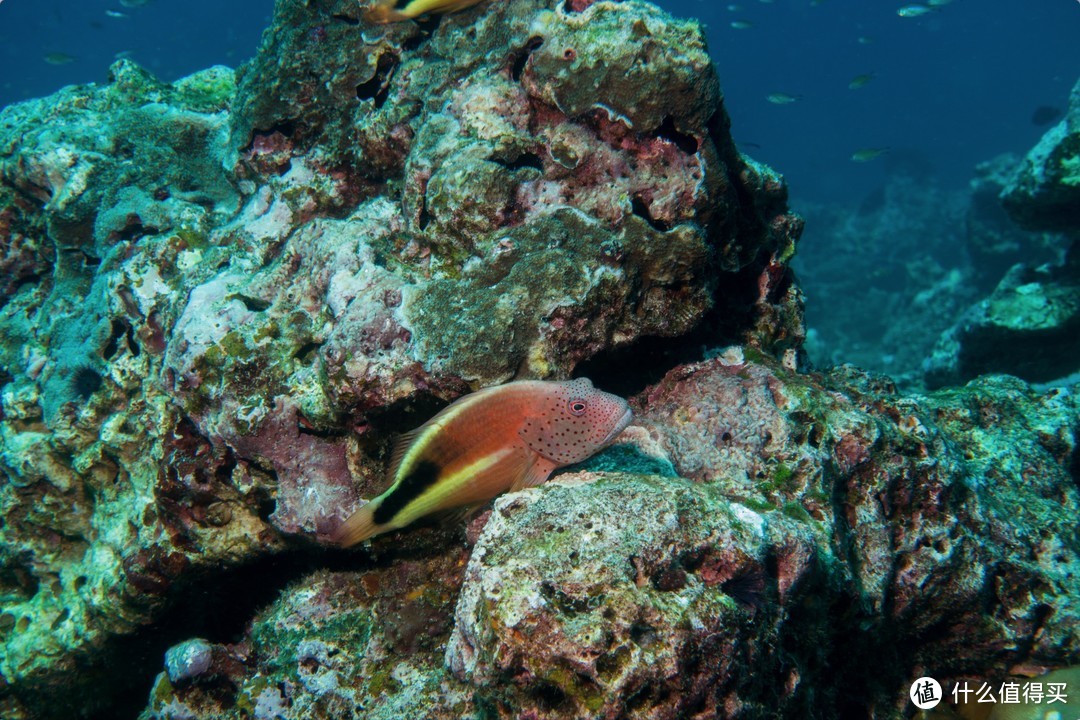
(627, 416)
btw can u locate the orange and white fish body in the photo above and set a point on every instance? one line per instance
(498, 439)
(385, 12)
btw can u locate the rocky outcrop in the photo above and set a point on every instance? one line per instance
(824, 534)
(224, 296)
(1030, 324)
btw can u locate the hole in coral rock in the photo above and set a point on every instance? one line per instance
(424, 218)
(667, 131)
(253, 304)
(427, 25)
(520, 58)
(640, 209)
(522, 161)
(306, 352)
(550, 697)
(643, 634)
(377, 88)
(117, 330)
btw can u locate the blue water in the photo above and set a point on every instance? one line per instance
(953, 88)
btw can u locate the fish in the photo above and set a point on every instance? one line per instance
(860, 81)
(59, 58)
(865, 40)
(507, 437)
(1046, 114)
(742, 24)
(385, 12)
(115, 14)
(910, 11)
(938, 3)
(782, 98)
(868, 154)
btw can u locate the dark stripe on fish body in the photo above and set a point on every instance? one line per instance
(420, 478)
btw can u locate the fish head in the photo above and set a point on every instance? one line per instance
(572, 420)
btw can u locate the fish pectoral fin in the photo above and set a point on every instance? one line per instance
(456, 516)
(534, 474)
(358, 527)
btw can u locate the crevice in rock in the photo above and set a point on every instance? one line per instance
(218, 606)
(427, 25)
(629, 369)
(522, 161)
(640, 209)
(520, 58)
(117, 330)
(667, 131)
(377, 88)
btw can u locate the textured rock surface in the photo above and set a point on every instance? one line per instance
(222, 297)
(1045, 191)
(849, 538)
(1029, 326)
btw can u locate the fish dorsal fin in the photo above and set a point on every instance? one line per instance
(534, 474)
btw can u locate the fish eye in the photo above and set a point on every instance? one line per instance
(576, 407)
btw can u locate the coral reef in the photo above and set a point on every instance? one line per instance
(225, 295)
(851, 540)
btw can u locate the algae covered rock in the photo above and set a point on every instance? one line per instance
(224, 296)
(851, 537)
(1029, 326)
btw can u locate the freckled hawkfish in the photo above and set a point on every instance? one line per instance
(503, 438)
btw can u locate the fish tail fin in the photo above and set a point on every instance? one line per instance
(383, 12)
(359, 527)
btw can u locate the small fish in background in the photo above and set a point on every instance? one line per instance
(938, 3)
(868, 154)
(115, 14)
(134, 3)
(913, 11)
(1046, 114)
(59, 58)
(860, 81)
(385, 12)
(865, 40)
(734, 7)
(782, 98)
(503, 438)
(742, 24)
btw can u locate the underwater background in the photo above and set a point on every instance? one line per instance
(827, 249)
